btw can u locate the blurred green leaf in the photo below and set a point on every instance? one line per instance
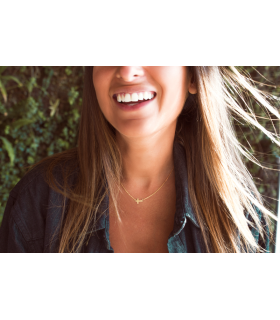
(21, 122)
(8, 146)
(68, 71)
(31, 83)
(30, 160)
(54, 107)
(12, 78)
(2, 69)
(72, 95)
(3, 91)
(7, 129)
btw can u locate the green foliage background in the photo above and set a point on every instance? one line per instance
(39, 117)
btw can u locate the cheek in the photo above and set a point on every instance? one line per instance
(174, 95)
(174, 83)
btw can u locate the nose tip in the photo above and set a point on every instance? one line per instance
(128, 74)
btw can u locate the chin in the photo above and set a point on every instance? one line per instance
(135, 132)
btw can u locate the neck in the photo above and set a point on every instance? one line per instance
(147, 161)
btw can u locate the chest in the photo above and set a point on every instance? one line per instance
(144, 227)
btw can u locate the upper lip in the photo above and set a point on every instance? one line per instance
(133, 89)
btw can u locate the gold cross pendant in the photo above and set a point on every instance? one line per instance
(138, 200)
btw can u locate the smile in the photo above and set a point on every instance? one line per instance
(134, 101)
(134, 97)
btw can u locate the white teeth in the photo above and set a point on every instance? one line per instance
(127, 97)
(146, 95)
(140, 96)
(134, 97)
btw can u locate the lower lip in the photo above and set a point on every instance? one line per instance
(137, 106)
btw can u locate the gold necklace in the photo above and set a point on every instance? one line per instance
(138, 200)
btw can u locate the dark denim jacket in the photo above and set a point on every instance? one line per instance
(33, 213)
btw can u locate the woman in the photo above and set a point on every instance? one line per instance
(158, 168)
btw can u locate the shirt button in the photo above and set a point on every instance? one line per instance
(180, 221)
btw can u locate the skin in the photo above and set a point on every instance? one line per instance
(145, 138)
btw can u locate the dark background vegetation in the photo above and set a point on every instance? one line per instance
(39, 117)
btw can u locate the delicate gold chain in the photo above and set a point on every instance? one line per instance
(138, 200)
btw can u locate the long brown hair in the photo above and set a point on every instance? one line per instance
(221, 189)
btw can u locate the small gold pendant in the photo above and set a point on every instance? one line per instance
(138, 200)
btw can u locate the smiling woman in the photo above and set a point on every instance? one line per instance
(158, 168)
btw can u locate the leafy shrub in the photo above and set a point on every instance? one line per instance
(38, 117)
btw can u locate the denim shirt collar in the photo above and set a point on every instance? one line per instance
(183, 204)
(184, 208)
